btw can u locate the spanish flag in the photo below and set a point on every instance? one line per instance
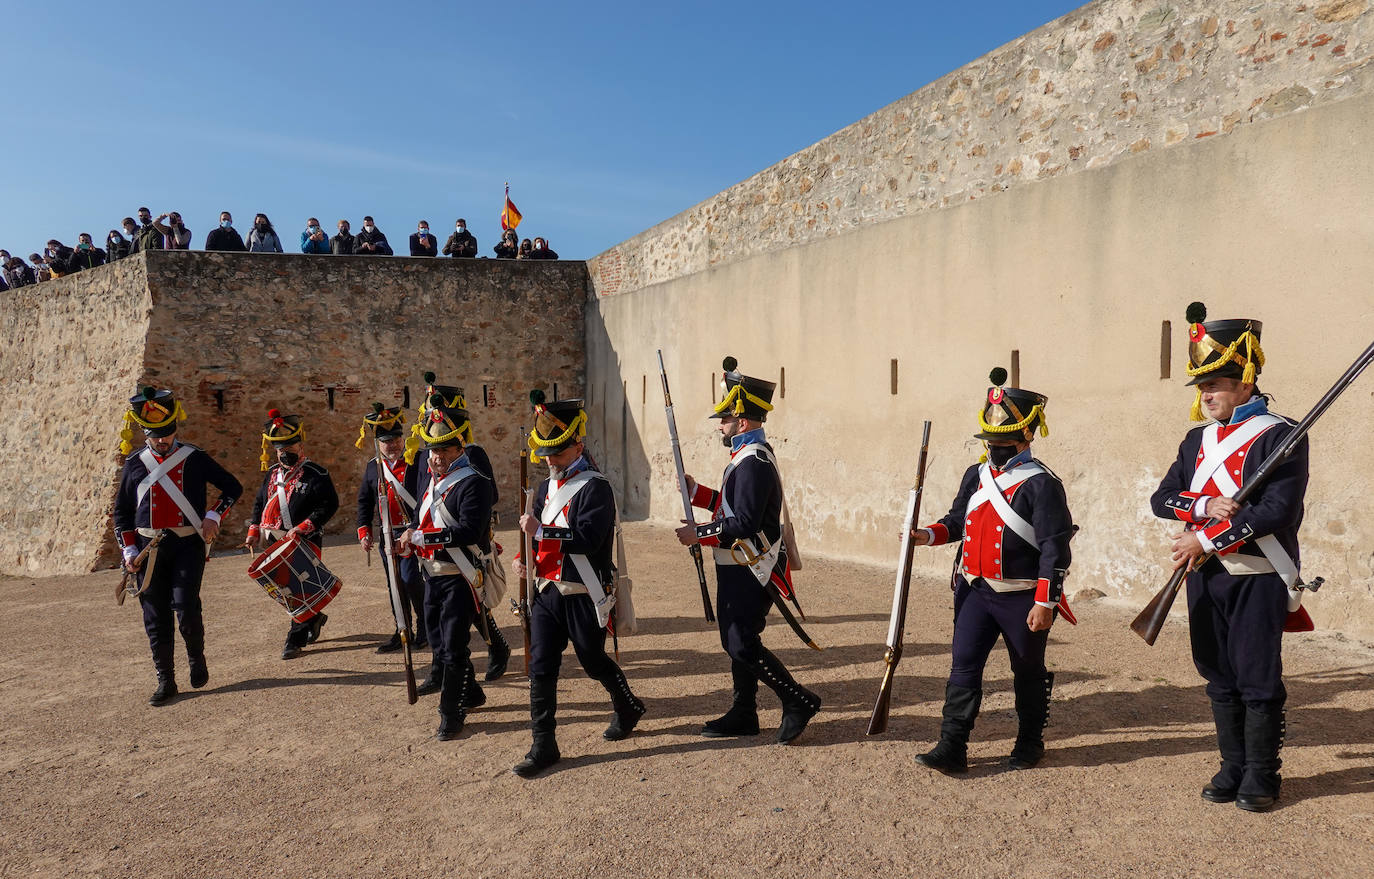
(510, 214)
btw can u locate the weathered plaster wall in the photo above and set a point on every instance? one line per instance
(1077, 275)
(1110, 81)
(237, 334)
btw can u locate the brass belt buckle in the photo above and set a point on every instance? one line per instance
(750, 557)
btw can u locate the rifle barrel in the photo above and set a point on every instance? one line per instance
(687, 514)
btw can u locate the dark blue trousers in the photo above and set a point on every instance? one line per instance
(1236, 628)
(980, 616)
(173, 595)
(741, 612)
(450, 609)
(556, 619)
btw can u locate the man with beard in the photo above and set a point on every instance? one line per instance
(297, 497)
(162, 491)
(572, 521)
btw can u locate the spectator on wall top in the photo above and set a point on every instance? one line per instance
(508, 246)
(147, 237)
(370, 241)
(18, 274)
(263, 238)
(462, 242)
(541, 250)
(314, 239)
(58, 257)
(87, 255)
(422, 243)
(225, 237)
(117, 246)
(342, 244)
(175, 235)
(525, 249)
(41, 271)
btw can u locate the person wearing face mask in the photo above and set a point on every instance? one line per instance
(263, 238)
(370, 241)
(314, 239)
(145, 235)
(58, 257)
(1246, 593)
(175, 235)
(342, 243)
(86, 255)
(526, 248)
(297, 496)
(462, 242)
(452, 535)
(116, 246)
(162, 490)
(18, 274)
(508, 246)
(541, 250)
(752, 567)
(225, 237)
(422, 243)
(1011, 521)
(572, 525)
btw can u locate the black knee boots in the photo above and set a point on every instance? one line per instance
(743, 717)
(543, 751)
(1032, 715)
(799, 704)
(458, 679)
(498, 651)
(1264, 734)
(1230, 722)
(628, 708)
(950, 754)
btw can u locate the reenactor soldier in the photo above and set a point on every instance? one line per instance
(572, 522)
(1241, 599)
(451, 397)
(452, 534)
(297, 496)
(745, 537)
(388, 431)
(163, 491)
(1012, 521)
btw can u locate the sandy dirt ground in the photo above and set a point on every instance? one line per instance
(317, 767)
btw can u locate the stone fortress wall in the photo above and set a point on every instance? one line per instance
(237, 334)
(1051, 208)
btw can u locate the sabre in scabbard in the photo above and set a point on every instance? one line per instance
(896, 629)
(687, 513)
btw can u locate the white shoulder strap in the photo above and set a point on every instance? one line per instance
(1215, 453)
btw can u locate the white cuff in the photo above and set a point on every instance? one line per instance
(212, 516)
(130, 553)
(1050, 604)
(1200, 508)
(539, 534)
(1206, 541)
(930, 536)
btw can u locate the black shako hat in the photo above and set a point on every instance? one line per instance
(386, 423)
(1011, 414)
(1222, 348)
(557, 425)
(745, 396)
(158, 412)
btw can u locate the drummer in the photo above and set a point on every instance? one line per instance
(297, 497)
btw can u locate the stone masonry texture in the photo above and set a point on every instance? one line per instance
(237, 334)
(1111, 80)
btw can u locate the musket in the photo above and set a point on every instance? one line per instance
(687, 514)
(1151, 620)
(123, 588)
(398, 608)
(526, 553)
(896, 628)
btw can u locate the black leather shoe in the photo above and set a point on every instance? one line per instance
(432, 684)
(497, 660)
(200, 673)
(1213, 794)
(624, 722)
(1025, 756)
(316, 623)
(1255, 802)
(946, 757)
(166, 691)
(290, 651)
(473, 697)
(390, 646)
(449, 728)
(532, 765)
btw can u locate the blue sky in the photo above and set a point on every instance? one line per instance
(606, 118)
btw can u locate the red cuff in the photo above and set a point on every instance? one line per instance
(254, 531)
(940, 534)
(1042, 590)
(305, 527)
(126, 538)
(1187, 515)
(709, 541)
(1219, 529)
(701, 497)
(364, 533)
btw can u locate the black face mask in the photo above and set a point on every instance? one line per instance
(1000, 455)
(290, 459)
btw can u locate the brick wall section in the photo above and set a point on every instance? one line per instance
(1113, 79)
(236, 334)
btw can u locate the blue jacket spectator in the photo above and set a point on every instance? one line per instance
(313, 239)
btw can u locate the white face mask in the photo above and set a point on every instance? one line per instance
(367, 227)
(460, 229)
